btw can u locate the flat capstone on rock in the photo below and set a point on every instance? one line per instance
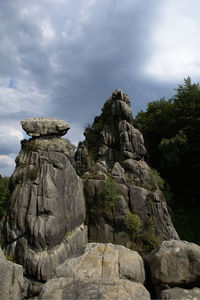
(36, 127)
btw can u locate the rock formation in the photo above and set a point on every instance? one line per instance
(104, 271)
(44, 229)
(117, 179)
(45, 127)
(11, 279)
(174, 264)
(179, 293)
(44, 223)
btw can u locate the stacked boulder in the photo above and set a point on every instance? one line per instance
(44, 231)
(44, 223)
(174, 269)
(104, 271)
(117, 179)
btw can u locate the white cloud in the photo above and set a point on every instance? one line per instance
(6, 160)
(25, 96)
(7, 164)
(175, 42)
(75, 134)
(10, 137)
(48, 31)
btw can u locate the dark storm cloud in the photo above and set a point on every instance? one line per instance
(105, 48)
(63, 58)
(110, 54)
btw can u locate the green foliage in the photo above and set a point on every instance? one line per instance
(67, 218)
(11, 258)
(29, 145)
(171, 131)
(91, 241)
(144, 239)
(4, 194)
(20, 177)
(68, 233)
(172, 149)
(33, 173)
(110, 192)
(187, 222)
(149, 238)
(154, 181)
(133, 224)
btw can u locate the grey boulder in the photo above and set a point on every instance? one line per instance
(179, 293)
(11, 279)
(174, 263)
(104, 271)
(79, 289)
(36, 127)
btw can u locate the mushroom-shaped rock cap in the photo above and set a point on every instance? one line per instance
(36, 127)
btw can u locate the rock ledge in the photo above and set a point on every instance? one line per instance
(36, 127)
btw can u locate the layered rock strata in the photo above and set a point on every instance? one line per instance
(104, 271)
(44, 222)
(114, 150)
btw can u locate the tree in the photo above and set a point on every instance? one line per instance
(4, 194)
(171, 130)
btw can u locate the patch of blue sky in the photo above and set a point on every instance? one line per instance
(11, 84)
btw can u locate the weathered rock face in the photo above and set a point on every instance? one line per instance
(44, 222)
(11, 279)
(45, 126)
(174, 264)
(112, 137)
(104, 271)
(178, 293)
(114, 151)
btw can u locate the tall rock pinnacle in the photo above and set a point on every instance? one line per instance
(111, 160)
(44, 222)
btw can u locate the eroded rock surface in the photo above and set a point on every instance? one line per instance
(174, 264)
(44, 222)
(11, 279)
(114, 150)
(104, 271)
(36, 127)
(179, 293)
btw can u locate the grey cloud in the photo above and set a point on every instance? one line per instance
(9, 145)
(96, 49)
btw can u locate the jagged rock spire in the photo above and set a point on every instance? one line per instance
(114, 148)
(112, 137)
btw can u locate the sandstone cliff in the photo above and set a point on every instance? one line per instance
(44, 227)
(44, 223)
(118, 182)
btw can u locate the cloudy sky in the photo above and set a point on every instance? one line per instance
(63, 58)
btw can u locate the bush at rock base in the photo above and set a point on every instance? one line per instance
(144, 239)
